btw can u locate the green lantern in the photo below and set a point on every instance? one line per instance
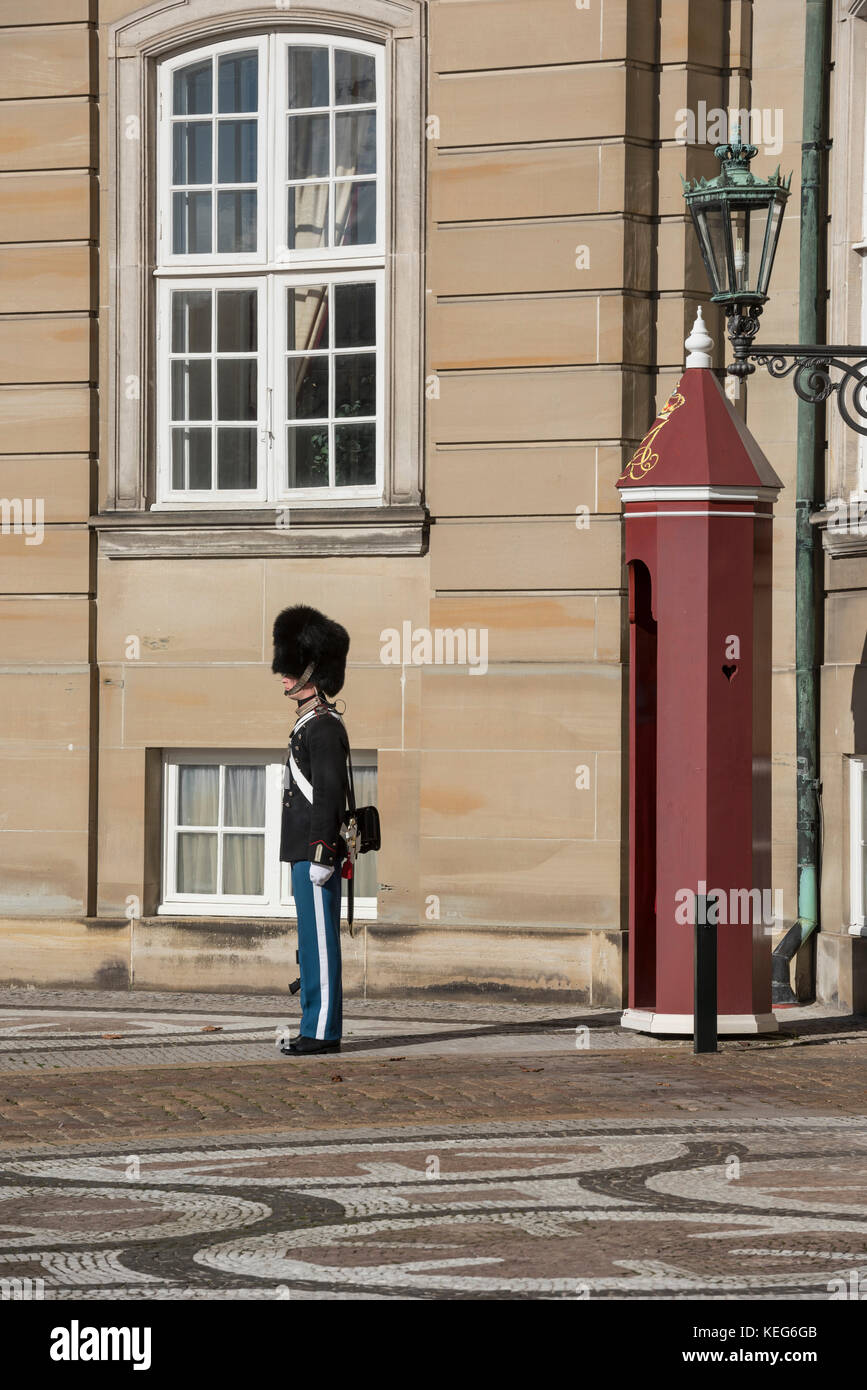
(738, 218)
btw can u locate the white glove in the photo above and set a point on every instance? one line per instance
(320, 873)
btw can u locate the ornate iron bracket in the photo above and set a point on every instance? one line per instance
(812, 378)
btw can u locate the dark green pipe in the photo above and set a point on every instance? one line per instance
(811, 328)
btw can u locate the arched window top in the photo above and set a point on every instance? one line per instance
(158, 29)
(272, 150)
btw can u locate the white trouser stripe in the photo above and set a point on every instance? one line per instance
(322, 944)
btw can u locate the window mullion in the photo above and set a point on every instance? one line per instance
(266, 140)
(220, 813)
(214, 389)
(266, 392)
(332, 153)
(215, 133)
(332, 388)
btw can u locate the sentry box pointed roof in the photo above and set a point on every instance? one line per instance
(697, 441)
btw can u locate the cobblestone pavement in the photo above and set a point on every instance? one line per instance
(158, 1147)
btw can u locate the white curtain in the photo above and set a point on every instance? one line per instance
(197, 863)
(198, 795)
(198, 804)
(244, 864)
(243, 806)
(244, 796)
(244, 855)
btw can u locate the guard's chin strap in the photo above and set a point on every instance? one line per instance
(302, 680)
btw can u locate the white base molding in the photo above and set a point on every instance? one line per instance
(645, 1021)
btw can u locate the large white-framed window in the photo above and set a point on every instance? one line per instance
(271, 286)
(271, 388)
(858, 846)
(221, 835)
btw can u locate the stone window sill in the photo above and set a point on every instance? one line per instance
(239, 533)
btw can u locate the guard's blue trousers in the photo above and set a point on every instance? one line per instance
(319, 953)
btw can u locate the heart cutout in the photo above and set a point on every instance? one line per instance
(730, 672)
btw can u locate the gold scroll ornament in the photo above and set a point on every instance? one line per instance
(644, 458)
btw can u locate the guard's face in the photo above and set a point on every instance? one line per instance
(289, 681)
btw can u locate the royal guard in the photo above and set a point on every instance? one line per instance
(310, 654)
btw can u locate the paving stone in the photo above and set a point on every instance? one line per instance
(460, 1155)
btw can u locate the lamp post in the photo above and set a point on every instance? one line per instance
(738, 218)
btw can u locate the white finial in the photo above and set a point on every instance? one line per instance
(699, 344)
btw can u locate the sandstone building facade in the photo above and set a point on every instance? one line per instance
(365, 303)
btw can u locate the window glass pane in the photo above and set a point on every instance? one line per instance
(768, 253)
(307, 387)
(191, 459)
(355, 384)
(355, 213)
(308, 216)
(355, 315)
(307, 147)
(191, 390)
(244, 795)
(236, 152)
(355, 142)
(354, 77)
(307, 454)
(236, 221)
(713, 240)
(237, 82)
(236, 389)
(197, 863)
(244, 864)
(191, 161)
(192, 89)
(236, 458)
(191, 321)
(354, 454)
(236, 321)
(308, 76)
(191, 224)
(307, 317)
(198, 794)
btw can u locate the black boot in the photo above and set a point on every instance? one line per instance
(306, 1047)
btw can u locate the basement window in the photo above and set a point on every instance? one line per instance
(221, 836)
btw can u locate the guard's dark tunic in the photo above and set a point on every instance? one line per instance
(320, 746)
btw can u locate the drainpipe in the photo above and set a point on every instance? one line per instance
(810, 480)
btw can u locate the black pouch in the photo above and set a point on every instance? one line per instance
(367, 820)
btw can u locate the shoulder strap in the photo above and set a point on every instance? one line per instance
(350, 785)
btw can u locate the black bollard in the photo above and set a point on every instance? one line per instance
(704, 1006)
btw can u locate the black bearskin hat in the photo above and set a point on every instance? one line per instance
(304, 636)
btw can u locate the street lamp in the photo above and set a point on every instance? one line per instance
(737, 218)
